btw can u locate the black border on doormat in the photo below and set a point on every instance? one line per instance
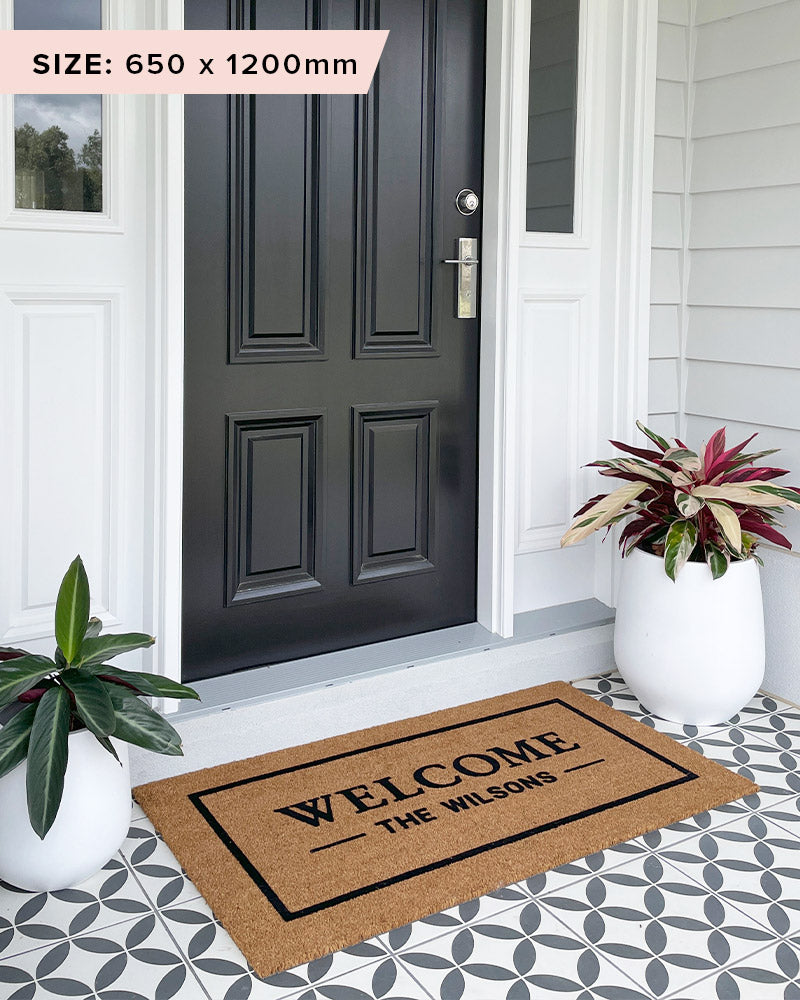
(287, 914)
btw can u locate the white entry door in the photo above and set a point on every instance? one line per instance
(74, 322)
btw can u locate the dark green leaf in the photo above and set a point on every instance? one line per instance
(681, 540)
(61, 660)
(16, 676)
(106, 744)
(153, 685)
(14, 737)
(47, 759)
(72, 609)
(94, 628)
(138, 724)
(92, 703)
(99, 648)
(717, 560)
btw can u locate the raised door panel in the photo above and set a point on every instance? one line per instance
(277, 207)
(274, 502)
(394, 490)
(396, 210)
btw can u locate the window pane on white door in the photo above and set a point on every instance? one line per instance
(552, 116)
(58, 137)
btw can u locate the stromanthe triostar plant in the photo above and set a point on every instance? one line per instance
(78, 689)
(710, 506)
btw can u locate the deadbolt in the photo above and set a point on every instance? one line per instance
(467, 201)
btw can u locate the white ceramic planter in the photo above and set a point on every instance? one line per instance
(691, 651)
(91, 824)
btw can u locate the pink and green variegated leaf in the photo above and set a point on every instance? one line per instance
(754, 456)
(681, 540)
(766, 531)
(647, 453)
(687, 504)
(726, 518)
(714, 448)
(682, 479)
(757, 472)
(687, 460)
(755, 494)
(725, 460)
(602, 512)
(662, 443)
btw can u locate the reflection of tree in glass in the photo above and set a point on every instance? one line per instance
(49, 175)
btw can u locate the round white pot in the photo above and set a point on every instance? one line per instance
(91, 824)
(691, 651)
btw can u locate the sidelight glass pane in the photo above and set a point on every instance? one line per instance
(58, 144)
(552, 116)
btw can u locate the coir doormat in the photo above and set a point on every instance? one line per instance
(311, 849)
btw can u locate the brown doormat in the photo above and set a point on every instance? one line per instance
(311, 849)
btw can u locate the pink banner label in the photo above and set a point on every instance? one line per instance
(189, 62)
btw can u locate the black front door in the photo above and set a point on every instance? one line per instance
(331, 396)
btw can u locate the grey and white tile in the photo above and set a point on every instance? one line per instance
(135, 960)
(225, 972)
(656, 925)
(30, 919)
(522, 953)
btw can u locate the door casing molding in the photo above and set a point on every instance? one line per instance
(503, 196)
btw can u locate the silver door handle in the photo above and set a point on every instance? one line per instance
(466, 279)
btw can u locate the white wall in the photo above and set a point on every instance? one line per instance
(740, 293)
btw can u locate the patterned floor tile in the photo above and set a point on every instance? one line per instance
(573, 871)
(521, 954)
(30, 919)
(780, 729)
(773, 769)
(658, 927)
(752, 864)
(224, 971)
(770, 974)
(134, 960)
(454, 918)
(706, 909)
(164, 881)
(386, 980)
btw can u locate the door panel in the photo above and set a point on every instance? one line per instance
(330, 393)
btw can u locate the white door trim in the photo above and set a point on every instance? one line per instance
(506, 130)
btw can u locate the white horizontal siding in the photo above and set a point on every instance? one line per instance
(764, 37)
(673, 12)
(744, 336)
(671, 62)
(668, 237)
(665, 277)
(664, 331)
(763, 276)
(717, 10)
(668, 170)
(667, 221)
(663, 385)
(757, 217)
(739, 102)
(763, 396)
(670, 108)
(764, 158)
(738, 325)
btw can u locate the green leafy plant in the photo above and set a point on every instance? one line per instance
(78, 689)
(709, 506)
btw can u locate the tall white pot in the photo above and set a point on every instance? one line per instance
(91, 824)
(691, 651)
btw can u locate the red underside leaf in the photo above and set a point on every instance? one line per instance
(719, 464)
